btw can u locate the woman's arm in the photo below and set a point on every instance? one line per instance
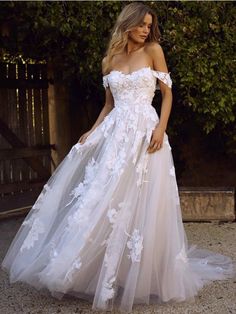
(105, 110)
(159, 64)
(108, 106)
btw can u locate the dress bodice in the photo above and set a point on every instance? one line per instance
(137, 87)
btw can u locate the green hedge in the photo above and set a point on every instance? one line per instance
(197, 37)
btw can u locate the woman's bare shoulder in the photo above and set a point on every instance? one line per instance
(156, 53)
(153, 48)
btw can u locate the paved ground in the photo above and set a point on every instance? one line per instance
(218, 297)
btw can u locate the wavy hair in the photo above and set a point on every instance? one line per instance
(131, 16)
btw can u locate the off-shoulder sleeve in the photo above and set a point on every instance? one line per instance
(164, 77)
(105, 81)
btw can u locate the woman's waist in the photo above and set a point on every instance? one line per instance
(131, 105)
(134, 111)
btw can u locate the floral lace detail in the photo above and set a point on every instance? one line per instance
(34, 222)
(121, 134)
(79, 190)
(78, 218)
(89, 191)
(108, 291)
(85, 195)
(33, 235)
(90, 172)
(78, 148)
(135, 245)
(38, 203)
(108, 122)
(116, 163)
(144, 73)
(164, 77)
(53, 253)
(75, 267)
(128, 112)
(105, 81)
(119, 220)
(141, 169)
(112, 214)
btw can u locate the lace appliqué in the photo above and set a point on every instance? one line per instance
(75, 267)
(37, 226)
(38, 203)
(105, 81)
(164, 77)
(79, 190)
(142, 169)
(78, 149)
(108, 122)
(33, 235)
(119, 220)
(112, 215)
(90, 172)
(115, 163)
(135, 244)
(108, 291)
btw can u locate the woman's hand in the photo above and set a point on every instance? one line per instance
(156, 140)
(83, 138)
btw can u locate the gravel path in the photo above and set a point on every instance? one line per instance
(218, 297)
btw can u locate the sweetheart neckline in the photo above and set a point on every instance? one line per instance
(128, 74)
(163, 76)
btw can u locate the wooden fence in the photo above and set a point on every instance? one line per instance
(25, 150)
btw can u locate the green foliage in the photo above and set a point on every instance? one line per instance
(73, 35)
(198, 39)
(202, 53)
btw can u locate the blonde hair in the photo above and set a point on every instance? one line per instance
(131, 16)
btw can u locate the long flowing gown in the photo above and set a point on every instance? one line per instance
(107, 226)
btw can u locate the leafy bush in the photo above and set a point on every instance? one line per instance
(198, 39)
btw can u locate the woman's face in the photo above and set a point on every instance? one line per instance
(140, 33)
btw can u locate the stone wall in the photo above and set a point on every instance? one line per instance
(206, 204)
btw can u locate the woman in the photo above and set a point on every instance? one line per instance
(107, 226)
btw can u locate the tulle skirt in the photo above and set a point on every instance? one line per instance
(107, 226)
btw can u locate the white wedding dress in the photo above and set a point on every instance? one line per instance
(107, 226)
